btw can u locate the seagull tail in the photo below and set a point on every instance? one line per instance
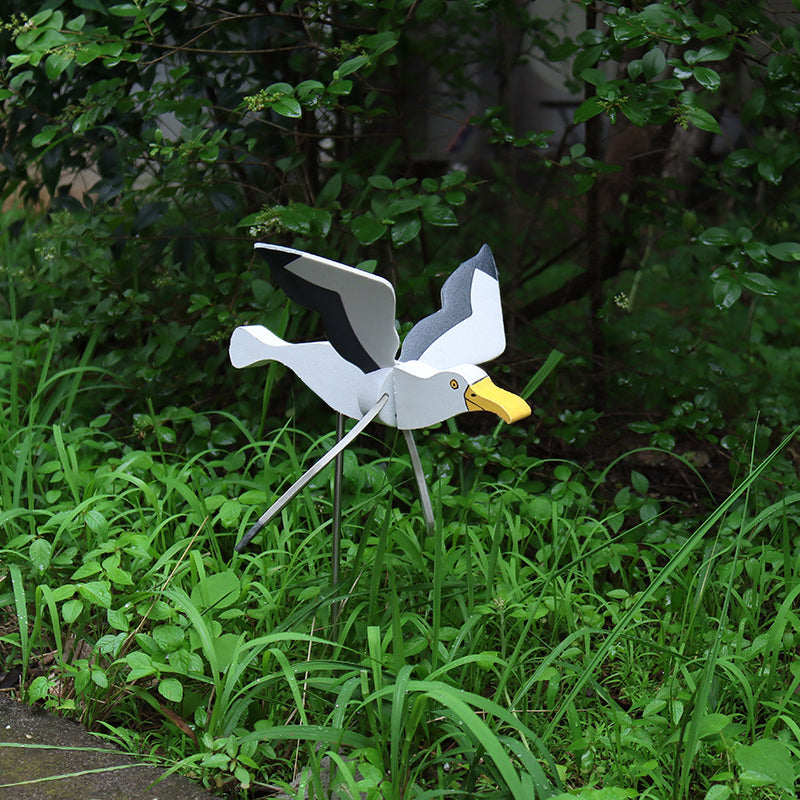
(252, 345)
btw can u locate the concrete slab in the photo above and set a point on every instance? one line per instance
(44, 757)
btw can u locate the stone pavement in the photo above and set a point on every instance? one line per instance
(64, 771)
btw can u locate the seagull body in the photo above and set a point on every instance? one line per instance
(436, 375)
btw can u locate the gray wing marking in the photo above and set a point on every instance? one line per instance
(468, 328)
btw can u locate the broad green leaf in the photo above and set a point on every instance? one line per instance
(428, 9)
(403, 205)
(125, 10)
(764, 762)
(350, 66)
(77, 23)
(96, 522)
(639, 482)
(171, 689)
(141, 665)
(584, 181)
(71, 610)
(591, 36)
(454, 178)
(541, 509)
(380, 43)
(230, 512)
(86, 570)
(637, 113)
(56, 63)
(700, 118)
(707, 78)
(635, 69)
(96, 592)
(39, 689)
(406, 229)
(594, 76)
(785, 251)
(99, 677)
(367, 229)
(757, 251)
(758, 283)
(303, 219)
(742, 158)
(339, 87)
(712, 724)
(455, 197)
(586, 58)
(118, 619)
(45, 135)
(168, 637)
(714, 52)
(216, 591)
(201, 424)
(780, 66)
(24, 41)
(286, 106)
(726, 292)
(717, 237)
(769, 172)
(589, 108)
(754, 106)
(40, 553)
(307, 90)
(118, 576)
(330, 191)
(38, 19)
(654, 62)
(439, 214)
(380, 182)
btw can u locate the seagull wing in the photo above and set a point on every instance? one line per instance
(357, 308)
(468, 328)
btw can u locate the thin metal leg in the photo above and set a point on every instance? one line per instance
(424, 496)
(311, 473)
(338, 467)
(337, 502)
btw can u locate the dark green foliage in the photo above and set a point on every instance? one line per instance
(203, 126)
(591, 629)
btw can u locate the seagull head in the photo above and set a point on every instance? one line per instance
(425, 395)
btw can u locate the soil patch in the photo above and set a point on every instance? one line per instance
(44, 757)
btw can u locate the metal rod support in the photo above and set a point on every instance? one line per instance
(422, 486)
(311, 473)
(337, 502)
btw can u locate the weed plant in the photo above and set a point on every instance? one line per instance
(537, 644)
(545, 642)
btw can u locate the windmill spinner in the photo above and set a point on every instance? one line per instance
(357, 371)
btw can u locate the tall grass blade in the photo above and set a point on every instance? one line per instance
(663, 575)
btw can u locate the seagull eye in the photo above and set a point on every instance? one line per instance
(454, 383)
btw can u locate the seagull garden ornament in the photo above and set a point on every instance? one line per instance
(357, 371)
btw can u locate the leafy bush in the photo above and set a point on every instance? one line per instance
(202, 126)
(570, 630)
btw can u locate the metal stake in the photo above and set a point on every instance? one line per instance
(422, 486)
(338, 468)
(337, 501)
(311, 473)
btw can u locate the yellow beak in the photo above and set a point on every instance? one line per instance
(485, 396)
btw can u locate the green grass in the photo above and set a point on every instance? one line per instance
(545, 642)
(539, 644)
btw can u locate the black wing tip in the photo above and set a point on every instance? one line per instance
(277, 257)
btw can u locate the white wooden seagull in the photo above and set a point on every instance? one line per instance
(356, 372)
